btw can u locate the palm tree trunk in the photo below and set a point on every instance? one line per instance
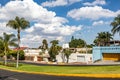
(63, 57)
(67, 56)
(17, 63)
(17, 59)
(67, 59)
(5, 57)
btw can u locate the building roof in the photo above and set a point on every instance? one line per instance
(20, 48)
(114, 42)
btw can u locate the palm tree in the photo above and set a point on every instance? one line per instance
(54, 50)
(54, 42)
(116, 25)
(45, 44)
(109, 36)
(67, 53)
(8, 40)
(18, 24)
(103, 38)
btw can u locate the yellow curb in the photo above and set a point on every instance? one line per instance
(72, 75)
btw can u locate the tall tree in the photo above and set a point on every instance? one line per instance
(77, 43)
(72, 38)
(8, 40)
(116, 25)
(18, 24)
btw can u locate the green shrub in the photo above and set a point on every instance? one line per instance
(10, 64)
(14, 54)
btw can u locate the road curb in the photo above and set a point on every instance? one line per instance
(70, 75)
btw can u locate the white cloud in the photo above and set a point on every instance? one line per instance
(54, 3)
(31, 40)
(3, 28)
(99, 23)
(96, 2)
(52, 29)
(49, 32)
(28, 9)
(93, 13)
(46, 24)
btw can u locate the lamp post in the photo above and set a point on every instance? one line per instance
(85, 46)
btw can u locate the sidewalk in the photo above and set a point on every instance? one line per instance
(104, 63)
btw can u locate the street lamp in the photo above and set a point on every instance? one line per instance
(85, 46)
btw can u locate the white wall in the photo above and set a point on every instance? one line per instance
(74, 57)
(32, 52)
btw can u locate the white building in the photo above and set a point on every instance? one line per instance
(34, 55)
(66, 45)
(76, 58)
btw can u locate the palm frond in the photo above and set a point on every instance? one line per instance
(116, 25)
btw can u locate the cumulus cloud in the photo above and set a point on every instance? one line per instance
(98, 23)
(45, 24)
(28, 9)
(3, 29)
(93, 13)
(96, 2)
(49, 32)
(54, 3)
(53, 29)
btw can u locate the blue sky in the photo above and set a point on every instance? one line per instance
(59, 19)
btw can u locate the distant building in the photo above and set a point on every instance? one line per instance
(34, 55)
(20, 48)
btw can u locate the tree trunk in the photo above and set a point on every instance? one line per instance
(67, 59)
(17, 63)
(5, 57)
(63, 57)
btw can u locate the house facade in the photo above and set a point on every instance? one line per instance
(34, 55)
(106, 53)
(75, 58)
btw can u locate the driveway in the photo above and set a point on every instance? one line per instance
(9, 75)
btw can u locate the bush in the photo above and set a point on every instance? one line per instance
(14, 54)
(21, 55)
(11, 65)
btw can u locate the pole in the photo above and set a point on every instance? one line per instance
(85, 46)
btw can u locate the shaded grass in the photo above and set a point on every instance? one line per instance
(10, 64)
(68, 69)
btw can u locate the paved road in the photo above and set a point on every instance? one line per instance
(8, 75)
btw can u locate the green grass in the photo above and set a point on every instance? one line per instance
(68, 69)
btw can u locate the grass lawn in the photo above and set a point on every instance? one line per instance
(68, 69)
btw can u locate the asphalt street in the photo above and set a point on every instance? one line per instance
(9, 75)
